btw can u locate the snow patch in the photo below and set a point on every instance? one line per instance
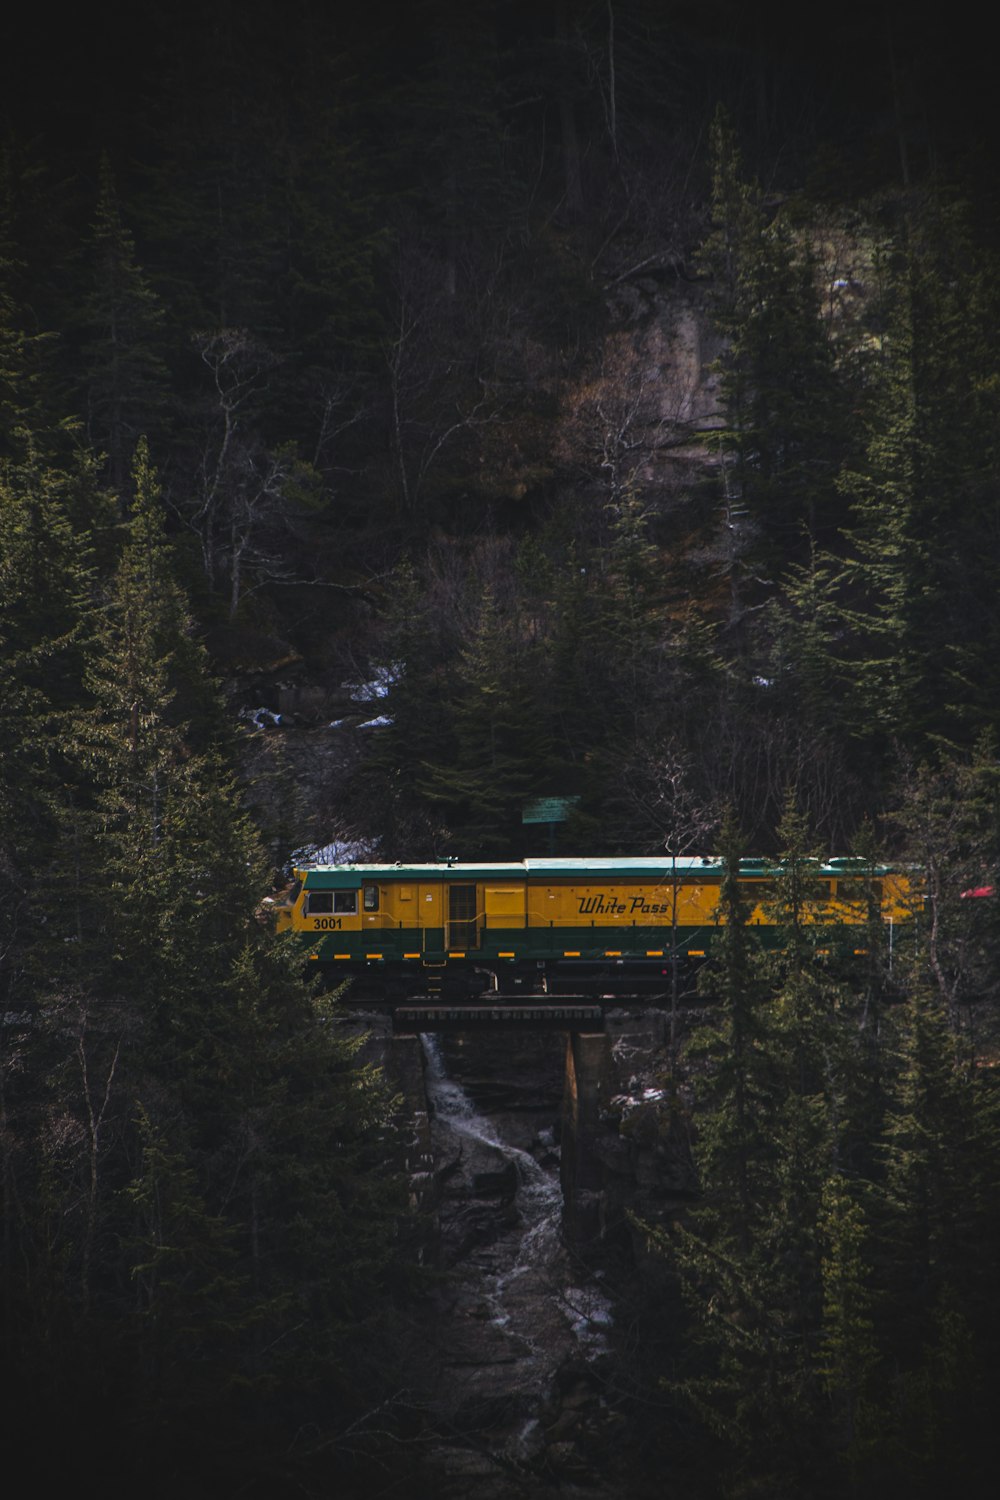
(378, 686)
(626, 1103)
(262, 718)
(339, 852)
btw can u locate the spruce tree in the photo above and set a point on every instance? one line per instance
(751, 1256)
(847, 1353)
(780, 444)
(730, 1270)
(124, 373)
(920, 489)
(938, 1232)
(734, 1153)
(215, 1210)
(498, 749)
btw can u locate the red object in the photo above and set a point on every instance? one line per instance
(979, 890)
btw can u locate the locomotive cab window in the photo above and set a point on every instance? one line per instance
(370, 897)
(345, 901)
(319, 902)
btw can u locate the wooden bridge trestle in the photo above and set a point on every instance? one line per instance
(536, 1015)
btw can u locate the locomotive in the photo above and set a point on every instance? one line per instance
(600, 927)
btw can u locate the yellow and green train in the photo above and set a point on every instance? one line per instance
(562, 926)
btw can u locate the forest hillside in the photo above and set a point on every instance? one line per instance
(404, 416)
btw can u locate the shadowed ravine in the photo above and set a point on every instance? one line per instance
(520, 1333)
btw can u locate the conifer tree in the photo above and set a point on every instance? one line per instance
(735, 1155)
(214, 1210)
(925, 471)
(750, 1258)
(780, 444)
(385, 789)
(949, 819)
(938, 1231)
(888, 546)
(124, 371)
(730, 1269)
(574, 670)
(498, 750)
(630, 623)
(847, 1347)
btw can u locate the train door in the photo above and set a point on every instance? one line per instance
(463, 921)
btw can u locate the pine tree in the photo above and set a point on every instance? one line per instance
(124, 372)
(780, 445)
(889, 551)
(734, 1153)
(385, 790)
(498, 749)
(925, 472)
(949, 819)
(730, 1254)
(847, 1347)
(751, 1256)
(214, 1210)
(938, 1233)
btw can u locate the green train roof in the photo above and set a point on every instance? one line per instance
(622, 868)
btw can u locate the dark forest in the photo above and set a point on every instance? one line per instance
(615, 388)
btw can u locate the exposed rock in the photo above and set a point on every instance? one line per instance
(518, 1335)
(501, 1184)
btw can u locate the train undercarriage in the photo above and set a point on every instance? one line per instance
(607, 979)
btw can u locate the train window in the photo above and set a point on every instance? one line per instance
(320, 901)
(370, 897)
(345, 901)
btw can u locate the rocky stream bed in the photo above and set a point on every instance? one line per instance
(521, 1330)
(521, 1352)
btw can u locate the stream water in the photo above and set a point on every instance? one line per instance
(521, 1332)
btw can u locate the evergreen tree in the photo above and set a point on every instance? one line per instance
(213, 1209)
(499, 756)
(729, 1276)
(949, 819)
(735, 1156)
(938, 1233)
(924, 473)
(385, 789)
(750, 1257)
(124, 372)
(780, 445)
(847, 1347)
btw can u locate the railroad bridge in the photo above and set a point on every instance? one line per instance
(588, 1078)
(535, 1014)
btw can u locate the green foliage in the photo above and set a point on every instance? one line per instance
(925, 466)
(734, 1149)
(499, 753)
(847, 1357)
(778, 379)
(347, 280)
(124, 373)
(949, 821)
(200, 1206)
(838, 1265)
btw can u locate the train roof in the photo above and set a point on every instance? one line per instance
(658, 867)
